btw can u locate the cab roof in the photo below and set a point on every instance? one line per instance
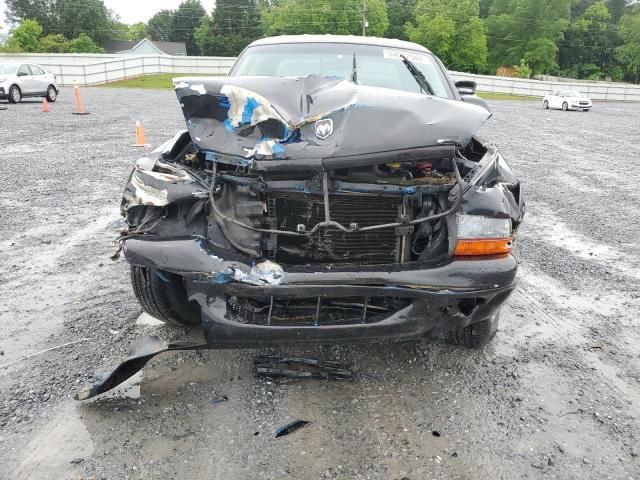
(353, 39)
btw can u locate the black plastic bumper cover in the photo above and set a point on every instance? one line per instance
(436, 293)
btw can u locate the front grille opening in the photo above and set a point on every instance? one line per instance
(331, 245)
(312, 311)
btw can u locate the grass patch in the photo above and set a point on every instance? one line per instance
(159, 80)
(504, 96)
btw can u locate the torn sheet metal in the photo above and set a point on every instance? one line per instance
(247, 107)
(140, 352)
(152, 188)
(146, 194)
(236, 114)
(266, 149)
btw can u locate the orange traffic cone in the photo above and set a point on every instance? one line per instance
(79, 105)
(140, 140)
(45, 105)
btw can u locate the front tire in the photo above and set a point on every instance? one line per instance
(163, 296)
(545, 105)
(476, 335)
(565, 106)
(52, 94)
(15, 95)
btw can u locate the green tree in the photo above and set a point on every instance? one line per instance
(232, 26)
(452, 29)
(45, 12)
(485, 5)
(119, 31)
(24, 38)
(618, 8)
(159, 26)
(54, 43)
(184, 22)
(522, 70)
(590, 42)
(137, 31)
(329, 16)
(629, 52)
(399, 13)
(83, 44)
(90, 17)
(528, 30)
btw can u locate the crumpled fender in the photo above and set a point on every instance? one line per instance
(147, 186)
(494, 191)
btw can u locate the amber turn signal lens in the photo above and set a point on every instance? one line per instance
(483, 246)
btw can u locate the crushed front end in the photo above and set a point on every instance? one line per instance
(315, 210)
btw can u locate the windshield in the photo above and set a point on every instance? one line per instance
(7, 68)
(572, 93)
(375, 66)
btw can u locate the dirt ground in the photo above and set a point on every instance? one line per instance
(556, 395)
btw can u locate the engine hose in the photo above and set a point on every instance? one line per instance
(338, 226)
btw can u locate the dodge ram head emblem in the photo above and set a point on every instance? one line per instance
(324, 128)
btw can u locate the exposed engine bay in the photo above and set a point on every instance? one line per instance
(394, 212)
(349, 206)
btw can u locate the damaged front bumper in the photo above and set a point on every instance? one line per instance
(262, 305)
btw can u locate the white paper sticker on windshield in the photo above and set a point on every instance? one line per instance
(412, 57)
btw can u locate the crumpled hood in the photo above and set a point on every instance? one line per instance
(275, 117)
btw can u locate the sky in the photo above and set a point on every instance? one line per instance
(132, 11)
(129, 11)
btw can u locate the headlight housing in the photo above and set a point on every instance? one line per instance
(480, 235)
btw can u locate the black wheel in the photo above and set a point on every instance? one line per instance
(15, 95)
(545, 105)
(52, 94)
(476, 335)
(163, 296)
(565, 106)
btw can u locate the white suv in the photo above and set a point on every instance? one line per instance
(26, 80)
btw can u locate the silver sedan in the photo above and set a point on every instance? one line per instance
(20, 80)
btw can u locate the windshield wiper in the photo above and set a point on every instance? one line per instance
(421, 80)
(354, 71)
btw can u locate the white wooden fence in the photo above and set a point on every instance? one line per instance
(96, 69)
(538, 88)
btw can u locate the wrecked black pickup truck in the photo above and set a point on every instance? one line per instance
(330, 189)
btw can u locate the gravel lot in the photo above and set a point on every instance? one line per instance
(557, 395)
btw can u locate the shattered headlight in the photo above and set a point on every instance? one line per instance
(480, 235)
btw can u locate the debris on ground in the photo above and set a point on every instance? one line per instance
(140, 352)
(220, 399)
(291, 427)
(275, 366)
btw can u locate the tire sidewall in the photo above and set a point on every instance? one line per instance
(12, 89)
(565, 106)
(52, 94)
(545, 105)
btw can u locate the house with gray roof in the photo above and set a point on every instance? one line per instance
(144, 46)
